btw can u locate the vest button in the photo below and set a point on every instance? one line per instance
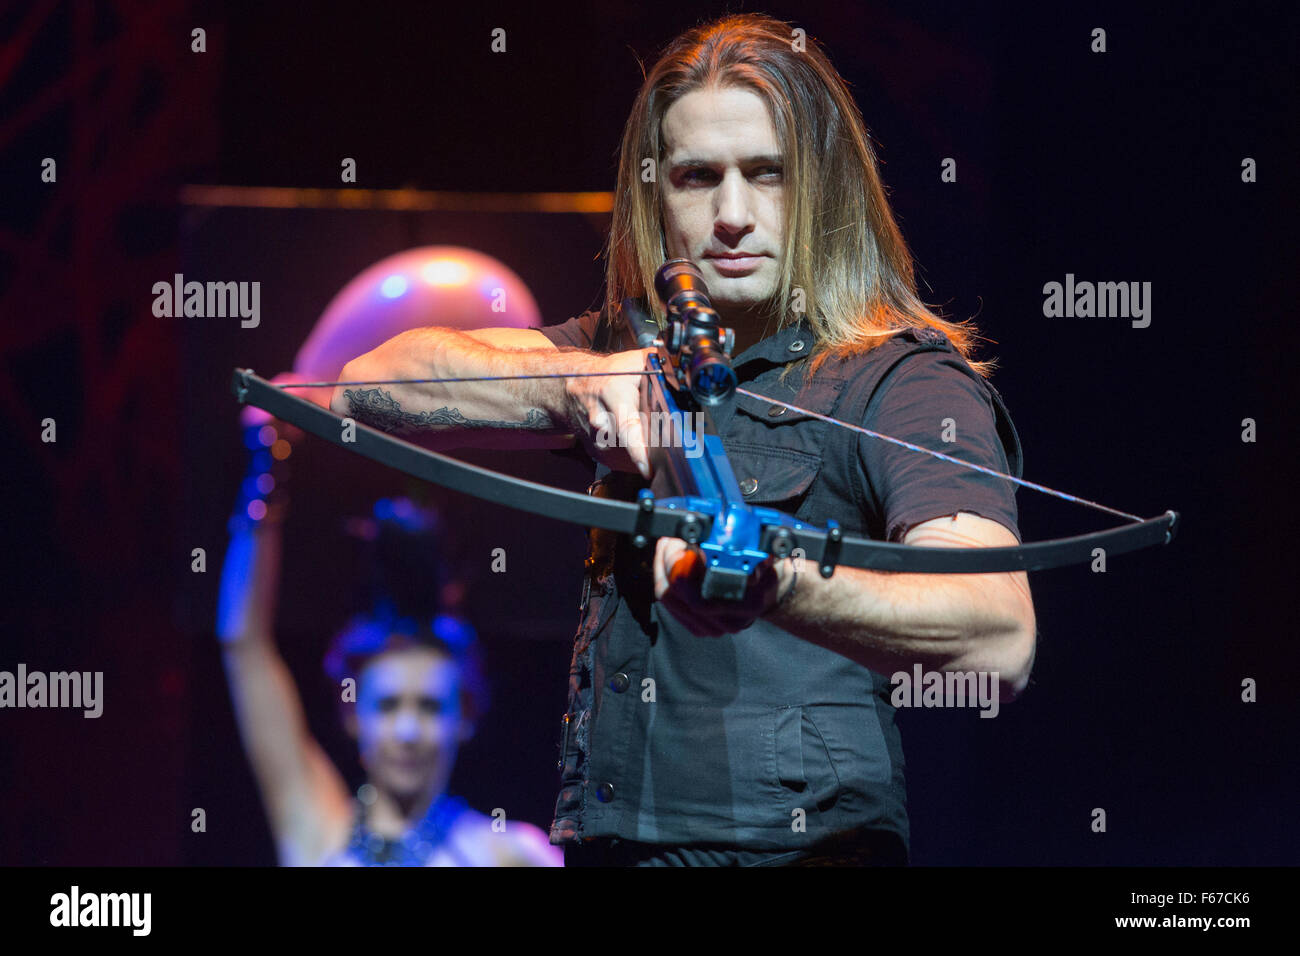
(605, 792)
(776, 411)
(749, 486)
(620, 682)
(796, 345)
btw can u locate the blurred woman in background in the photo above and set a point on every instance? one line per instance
(410, 685)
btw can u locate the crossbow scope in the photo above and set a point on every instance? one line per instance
(700, 348)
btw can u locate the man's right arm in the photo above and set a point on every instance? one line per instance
(521, 413)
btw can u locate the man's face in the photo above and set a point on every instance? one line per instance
(723, 193)
(408, 719)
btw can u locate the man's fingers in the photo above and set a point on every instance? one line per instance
(685, 569)
(619, 437)
(678, 575)
(685, 574)
(601, 429)
(632, 436)
(659, 567)
(668, 552)
(674, 566)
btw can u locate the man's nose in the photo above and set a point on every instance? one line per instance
(735, 209)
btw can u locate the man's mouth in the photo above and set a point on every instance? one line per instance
(735, 264)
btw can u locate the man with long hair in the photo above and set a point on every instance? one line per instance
(759, 732)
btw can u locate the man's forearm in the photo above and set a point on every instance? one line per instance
(523, 413)
(889, 621)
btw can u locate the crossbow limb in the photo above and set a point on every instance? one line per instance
(648, 519)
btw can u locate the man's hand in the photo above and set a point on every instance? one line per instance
(607, 409)
(679, 571)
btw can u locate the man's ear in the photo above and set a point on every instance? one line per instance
(350, 723)
(466, 731)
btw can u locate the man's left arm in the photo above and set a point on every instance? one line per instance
(889, 621)
(885, 620)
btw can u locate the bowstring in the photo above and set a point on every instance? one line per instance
(473, 378)
(942, 457)
(1033, 486)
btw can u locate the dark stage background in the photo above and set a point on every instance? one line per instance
(1123, 166)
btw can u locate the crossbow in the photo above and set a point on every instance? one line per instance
(688, 377)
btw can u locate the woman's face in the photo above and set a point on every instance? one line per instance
(408, 720)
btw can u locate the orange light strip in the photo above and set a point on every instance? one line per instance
(405, 200)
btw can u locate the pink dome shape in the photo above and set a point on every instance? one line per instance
(447, 286)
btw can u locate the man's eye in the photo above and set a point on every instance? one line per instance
(707, 176)
(387, 705)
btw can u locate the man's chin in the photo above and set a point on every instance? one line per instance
(737, 293)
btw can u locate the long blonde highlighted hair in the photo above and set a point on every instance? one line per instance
(841, 248)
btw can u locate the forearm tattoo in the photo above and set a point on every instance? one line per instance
(378, 408)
